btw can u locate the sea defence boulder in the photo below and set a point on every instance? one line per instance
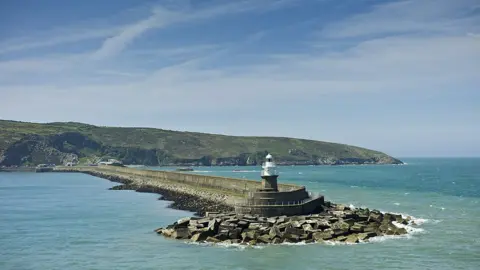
(336, 223)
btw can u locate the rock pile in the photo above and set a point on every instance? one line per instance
(335, 223)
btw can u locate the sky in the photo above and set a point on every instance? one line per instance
(401, 77)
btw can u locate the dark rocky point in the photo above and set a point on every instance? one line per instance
(337, 223)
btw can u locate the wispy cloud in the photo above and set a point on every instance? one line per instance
(414, 49)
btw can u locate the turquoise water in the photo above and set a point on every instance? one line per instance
(71, 221)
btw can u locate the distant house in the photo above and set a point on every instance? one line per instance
(111, 162)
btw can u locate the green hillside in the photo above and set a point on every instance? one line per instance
(32, 143)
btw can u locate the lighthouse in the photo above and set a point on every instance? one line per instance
(269, 174)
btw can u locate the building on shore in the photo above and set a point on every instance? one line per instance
(268, 200)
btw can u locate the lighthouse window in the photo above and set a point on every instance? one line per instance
(269, 159)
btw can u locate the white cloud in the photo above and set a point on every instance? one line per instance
(412, 16)
(398, 61)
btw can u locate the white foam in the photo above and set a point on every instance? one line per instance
(225, 245)
(396, 203)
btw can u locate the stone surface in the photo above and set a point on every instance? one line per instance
(347, 225)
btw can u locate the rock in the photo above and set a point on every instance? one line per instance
(297, 218)
(276, 240)
(222, 235)
(213, 225)
(252, 242)
(307, 227)
(352, 238)
(293, 238)
(235, 233)
(181, 233)
(159, 230)
(400, 231)
(282, 219)
(212, 239)
(243, 224)
(275, 232)
(272, 220)
(322, 236)
(254, 226)
(340, 239)
(375, 216)
(183, 222)
(292, 230)
(341, 225)
(341, 207)
(250, 217)
(249, 235)
(203, 221)
(168, 232)
(322, 225)
(357, 227)
(366, 236)
(201, 236)
(264, 239)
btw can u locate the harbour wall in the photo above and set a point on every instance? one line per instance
(232, 185)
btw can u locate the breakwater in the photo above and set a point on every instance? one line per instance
(213, 199)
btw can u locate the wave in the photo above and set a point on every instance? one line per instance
(226, 245)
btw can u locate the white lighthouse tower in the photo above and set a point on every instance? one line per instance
(269, 174)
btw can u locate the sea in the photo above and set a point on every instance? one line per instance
(72, 221)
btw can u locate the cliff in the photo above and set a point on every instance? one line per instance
(24, 143)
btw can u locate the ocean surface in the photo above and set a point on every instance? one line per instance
(72, 221)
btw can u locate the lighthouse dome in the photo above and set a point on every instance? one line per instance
(269, 156)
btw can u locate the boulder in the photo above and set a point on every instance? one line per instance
(276, 240)
(293, 238)
(298, 224)
(275, 232)
(366, 236)
(222, 235)
(320, 236)
(181, 233)
(168, 232)
(292, 230)
(282, 219)
(201, 236)
(254, 226)
(272, 220)
(307, 227)
(235, 233)
(213, 225)
(352, 238)
(357, 228)
(243, 223)
(375, 216)
(400, 231)
(212, 239)
(183, 222)
(341, 225)
(249, 235)
(340, 239)
(264, 239)
(322, 224)
(159, 230)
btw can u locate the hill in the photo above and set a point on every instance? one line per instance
(24, 143)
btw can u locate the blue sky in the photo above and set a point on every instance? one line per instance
(401, 77)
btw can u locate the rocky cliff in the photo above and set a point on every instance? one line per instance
(58, 143)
